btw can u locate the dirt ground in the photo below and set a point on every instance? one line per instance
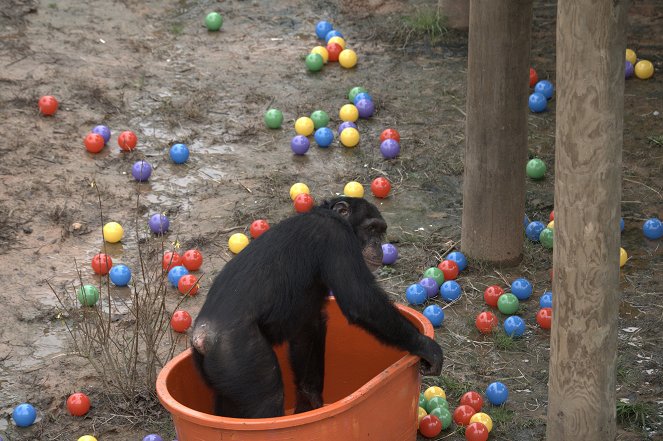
(152, 67)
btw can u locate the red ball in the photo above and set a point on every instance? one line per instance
(48, 105)
(544, 318)
(171, 259)
(180, 321)
(390, 134)
(258, 227)
(430, 426)
(449, 268)
(533, 77)
(492, 294)
(94, 142)
(380, 187)
(188, 284)
(127, 140)
(476, 432)
(333, 49)
(552, 215)
(462, 414)
(303, 202)
(78, 404)
(472, 399)
(101, 264)
(192, 260)
(485, 322)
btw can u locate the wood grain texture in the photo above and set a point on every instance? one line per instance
(588, 156)
(496, 130)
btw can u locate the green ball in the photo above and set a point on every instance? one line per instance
(436, 274)
(314, 62)
(508, 303)
(354, 91)
(422, 400)
(546, 238)
(213, 21)
(444, 415)
(320, 119)
(88, 295)
(435, 402)
(273, 118)
(536, 168)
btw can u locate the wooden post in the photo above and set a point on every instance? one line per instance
(496, 130)
(590, 96)
(457, 13)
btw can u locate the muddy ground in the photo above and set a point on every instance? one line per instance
(152, 67)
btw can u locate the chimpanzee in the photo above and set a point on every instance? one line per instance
(275, 290)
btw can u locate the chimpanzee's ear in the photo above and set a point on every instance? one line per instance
(342, 208)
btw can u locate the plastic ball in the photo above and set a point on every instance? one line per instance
(304, 126)
(303, 203)
(521, 288)
(300, 144)
(320, 119)
(273, 118)
(621, 224)
(484, 419)
(127, 140)
(179, 153)
(348, 112)
(48, 105)
(435, 273)
(353, 189)
(450, 290)
(546, 237)
(113, 232)
(434, 391)
(298, 188)
(536, 168)
(544, 318)
(88, 295)
(534, 229)
(258, 227)
(322, 28)
(176, 273)
(347, 58)
(476, 432)
(188, 285)
(473, 399)
(390, 148)
(422, 401)
(644, 69)
(430, 426)
(486, 322)
(389, 254)
(192, 260)
(78, 404)
(324, 136)
(434, 314)
(94, 142)
(623, 257)
(533, 77)
(365, 108)
(213, 21)
(354, 92)
(652, 229)
(141, 171)
(462, 414)
(120, 275)
(180, 322)
(334, 51)
(390, 134)
(508, 303)
(459, 258)
(24, 415)
(416, 294)
(546, 88)
(629, 70)
(153, 437)
(421, 412)
(314, 62)
(101, 264)
(537, 102)
(552, 215)
(158, 223)
(331, 34)
(345, 124)
(87, 438)
(551, 225)
(497, 393)
(631, 56)
(104, 131)
(362, 96)
(546, 300)
(492, 294)
(514, 326)
(449, 268)
(338, 40)
(430, 285)
(322, 51)
(237, 242)
(170, 259)
(443, 414)
(380, 187)
(437, 402)
(349, 137)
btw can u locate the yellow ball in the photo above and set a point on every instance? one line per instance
(304, 126)
(623, 257)
(298, 188)
(434, 391)
(322, 51)
(349, 137)
(644, 69)
(87, 438)
(338, 40)
(353, 189)
(630, 56)
(113, 232)
(551, 224)
(238, 242)
(348, 113)
(347, 58)
(421, 412)
(482, 418)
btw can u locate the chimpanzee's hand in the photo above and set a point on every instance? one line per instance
(431, 357)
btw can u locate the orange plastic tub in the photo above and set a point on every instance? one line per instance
(371, 392)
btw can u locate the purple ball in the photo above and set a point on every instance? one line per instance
(141, 171)
(159, 223)
(365, 108)
(106, 134)
(152, 437)
(389, 254)
(390, 148)
(345, 125)
(300, 144)
(430, 285)
(628, 69)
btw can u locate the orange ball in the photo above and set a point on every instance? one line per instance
(171, 259)
(449, 268)
(180, 321)
(192, 260)
(127, 140)
(48, 105)
(94, 142)
(188, 284)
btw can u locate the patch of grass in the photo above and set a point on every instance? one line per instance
(177, 29)
(53, 5)
(501, 415)
(453, 387)
(658, 140)
(423, 24)
(504, 342)
(625, 375)
(634, 415)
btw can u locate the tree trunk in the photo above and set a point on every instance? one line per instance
(457, 13)
(590, 96)
(496, 130)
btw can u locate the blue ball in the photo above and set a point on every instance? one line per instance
(521, 288)
(435, 314)
(534, 229)
(322, 28)
(104, 131)
(158, 223)
(653, 229)
(526, 221)
(416, 294)
(537, 102)
(176, 273)
(24, 415)
(514, 326)
(141, 171)
(152, 437)
(179, 153)
(389, 254)
(324, 136)
(331, 34)
(450, 290)
(300, 144)
(430, 285)
(120, 275)
(621, 224)
(545, 88)
(362, 96)
(546, 300)
(497, 393)
(345, 125)
(459, 258)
